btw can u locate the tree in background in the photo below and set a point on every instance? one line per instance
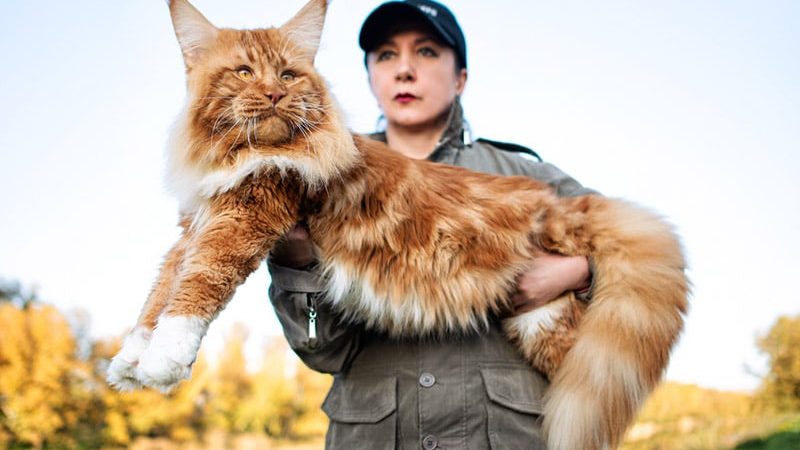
(53, 392)
(230, 384)
(13, 292)
(270, 408)
(312, 387)
(781, 386)
(42, 384)
(180, 415)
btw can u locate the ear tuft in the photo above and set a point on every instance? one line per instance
(194, 32)
(305, 28)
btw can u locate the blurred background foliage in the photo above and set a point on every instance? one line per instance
(53, 395)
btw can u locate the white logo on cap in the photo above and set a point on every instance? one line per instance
(429, 10)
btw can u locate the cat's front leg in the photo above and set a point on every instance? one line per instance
(171, 351)
(237, 234)
(122, 371)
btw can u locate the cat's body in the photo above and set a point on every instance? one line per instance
(410, 247)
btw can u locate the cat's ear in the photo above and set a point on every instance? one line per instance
(305, 28)
(195, 33)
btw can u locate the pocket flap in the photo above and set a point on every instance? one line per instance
(516, 388)
(361, 399)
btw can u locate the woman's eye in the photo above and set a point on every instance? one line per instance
(427, 51)
(245, 73)
(384, 55)
(288, 76)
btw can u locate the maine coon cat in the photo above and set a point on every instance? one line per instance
(410, 247)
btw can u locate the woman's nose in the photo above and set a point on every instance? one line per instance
(405, 69)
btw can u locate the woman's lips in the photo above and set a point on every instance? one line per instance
(405, 97)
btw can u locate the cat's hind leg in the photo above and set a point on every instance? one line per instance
(545, 335)
(122, 373)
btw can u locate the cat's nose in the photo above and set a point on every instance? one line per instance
(275, 96)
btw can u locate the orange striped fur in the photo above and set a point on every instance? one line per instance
(410, 247)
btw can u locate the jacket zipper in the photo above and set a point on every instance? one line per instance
(312, 320)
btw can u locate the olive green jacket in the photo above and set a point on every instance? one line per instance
(471, 391)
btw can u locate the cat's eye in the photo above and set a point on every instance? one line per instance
(288, 76)
(245, 73)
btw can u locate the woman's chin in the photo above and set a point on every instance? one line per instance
(416, 118)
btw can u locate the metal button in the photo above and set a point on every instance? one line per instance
(427, 379)
(429, 442)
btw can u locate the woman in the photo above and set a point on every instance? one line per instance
(464, 391)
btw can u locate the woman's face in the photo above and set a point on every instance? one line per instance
(414, 79)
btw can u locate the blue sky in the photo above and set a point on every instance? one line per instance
(689, 107)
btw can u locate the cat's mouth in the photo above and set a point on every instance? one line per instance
(258, 113)
(252, 126)
(254, 108)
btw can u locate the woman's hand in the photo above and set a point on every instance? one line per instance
(548, 277)
(295, 250)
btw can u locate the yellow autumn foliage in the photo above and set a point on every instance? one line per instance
(781, 388)
(53, 394)
(36, 366)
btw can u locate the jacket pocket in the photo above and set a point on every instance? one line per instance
(514, 408)
(362, 411)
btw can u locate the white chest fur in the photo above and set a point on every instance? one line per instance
(193, 186)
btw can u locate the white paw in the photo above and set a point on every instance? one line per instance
(121, 372)
(530, 324)
(173, 348)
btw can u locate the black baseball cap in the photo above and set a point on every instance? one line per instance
(380, 20)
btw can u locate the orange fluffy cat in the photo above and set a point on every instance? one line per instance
(410, 247)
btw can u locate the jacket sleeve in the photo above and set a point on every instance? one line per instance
(565, 185)
(296, 295)
(506, 159)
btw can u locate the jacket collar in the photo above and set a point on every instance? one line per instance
(452, 139)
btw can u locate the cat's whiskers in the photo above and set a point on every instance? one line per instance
(214, 147)
(302, 120)
(299, 125)
(310, 101)
(202, 104)
(255, 130)
(212, 97)
(250, 126)
(221, 116)
(235, 140)
(321, 110)
(310, 126)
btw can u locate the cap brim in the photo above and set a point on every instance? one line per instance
(377, 23)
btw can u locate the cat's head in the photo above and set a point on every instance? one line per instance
(251, 89)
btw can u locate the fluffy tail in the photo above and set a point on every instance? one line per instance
(623, 342)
